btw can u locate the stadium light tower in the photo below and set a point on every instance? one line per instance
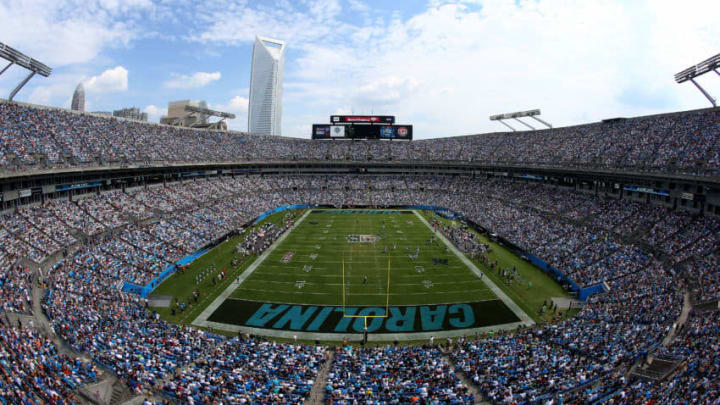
(712, 63)
(16, 57)
(516, 116)
(191, 110)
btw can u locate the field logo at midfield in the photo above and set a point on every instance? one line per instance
(362, 238)
(287, 257)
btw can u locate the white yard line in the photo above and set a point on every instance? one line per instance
(503, 297)
(201, 320)
(382, 294)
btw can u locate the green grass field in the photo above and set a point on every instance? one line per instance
(320, 251)
(309, 265)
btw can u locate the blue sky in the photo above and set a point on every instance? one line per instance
(444, 66)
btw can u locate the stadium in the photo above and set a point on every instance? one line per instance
(146, 263)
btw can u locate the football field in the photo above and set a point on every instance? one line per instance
(384, 257)
(338, 272)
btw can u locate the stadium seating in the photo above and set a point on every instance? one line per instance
(684, 142)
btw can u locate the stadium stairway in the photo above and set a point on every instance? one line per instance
(463, 378)
(656, 368)
(687, 306)
(317, 393)
(108, 389)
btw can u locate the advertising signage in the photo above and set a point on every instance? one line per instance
(363, 131)
(365, 119)
(320, 131)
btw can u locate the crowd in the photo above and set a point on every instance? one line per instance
(249, 371)
(93, 316)
(33, 372)
(522, 367)
(676, 142)
(394, 375)
(15, 288)
(703, 277)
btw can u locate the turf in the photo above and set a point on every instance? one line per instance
(275, 281)
(321, 252)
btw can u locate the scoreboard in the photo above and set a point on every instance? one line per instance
(362, 127)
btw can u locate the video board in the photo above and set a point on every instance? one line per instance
(363, 131)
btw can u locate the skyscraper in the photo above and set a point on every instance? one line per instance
(266, 80)
(78, 100)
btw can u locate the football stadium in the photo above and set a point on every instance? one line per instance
(368, 260)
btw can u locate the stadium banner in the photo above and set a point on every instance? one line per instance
(370, 119)
(443, 212)
(339, 319)
(585, 292)
(279, 209)
(320, 131)
(647, 190)
(193, 174)
(78, 186)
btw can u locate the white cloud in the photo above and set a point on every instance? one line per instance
(63, 32)
(294, 22)
(154, 112)
(196, 80)
(358, 5)
(448, 68)
(111, 80)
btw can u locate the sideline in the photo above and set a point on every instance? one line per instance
(201, 320)
(526, 320)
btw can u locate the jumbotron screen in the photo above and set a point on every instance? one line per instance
(364, 131)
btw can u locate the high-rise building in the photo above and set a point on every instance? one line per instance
(266, 81)
(132, 113)
(78, 100)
